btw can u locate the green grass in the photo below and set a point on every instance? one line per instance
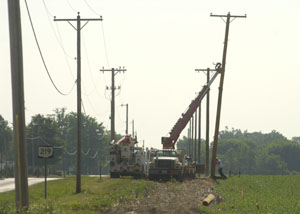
(95, 196)
(262, 194)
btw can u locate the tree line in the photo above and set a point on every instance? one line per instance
(240, 151)
(254, 153)
(58, 130)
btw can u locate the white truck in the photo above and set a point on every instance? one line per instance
(126, 159)
(166, 164)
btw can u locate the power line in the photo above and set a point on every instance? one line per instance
(89, 68)
(71, 6)
(91, 8)
(105, 47)
(83, 106)
(40, 51)
(102, 27)
(59, 39)
(93, 157)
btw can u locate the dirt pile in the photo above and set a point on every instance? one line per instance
(171, 197)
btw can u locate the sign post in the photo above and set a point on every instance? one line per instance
(100, 169)
(45, 152)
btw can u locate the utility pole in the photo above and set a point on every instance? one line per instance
(114, 72)
(32, 153)
(199, 134)
(126, 105)
(16, 62)
(195, 143)
(133, 128)
(78, 30)
(216, 136)
(192, 136)
(189, 138)
(207, 70)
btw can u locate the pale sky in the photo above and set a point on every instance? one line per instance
(160, 43)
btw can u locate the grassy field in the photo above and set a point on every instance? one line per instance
(96, 196)
(262, 194)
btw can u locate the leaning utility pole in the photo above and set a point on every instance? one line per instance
(216, 136)
(78, 29)
(208, 70)
(17, 82)
(114, 72)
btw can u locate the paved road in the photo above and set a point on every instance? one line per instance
(8, 184)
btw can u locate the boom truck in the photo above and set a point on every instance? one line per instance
(169, 162)
(126, 159)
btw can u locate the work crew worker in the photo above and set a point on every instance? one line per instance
(220, 168)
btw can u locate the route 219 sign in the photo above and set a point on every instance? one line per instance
(45, 152)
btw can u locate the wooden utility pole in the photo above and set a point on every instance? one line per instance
(207, 126)
(189, 138)
(133, 128)
(16, 60)
(78, 30)
(126, 105)
(199, 134)
(114, 72)
(192, 136)
(218, 116)
(195, 143)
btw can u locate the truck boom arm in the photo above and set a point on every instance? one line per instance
(169, 142)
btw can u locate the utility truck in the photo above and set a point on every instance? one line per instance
(166, 164)
(126, 159)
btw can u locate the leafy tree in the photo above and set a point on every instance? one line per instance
(6, 145)
(256, 152)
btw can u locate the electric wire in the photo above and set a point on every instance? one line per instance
(44, 141)
(91, 8)
(71, 153)
(93, 157)
(105, 46)
(103, 34)
(89, 68)
(71, 6)
(41, 55)
(59, 147)
(85, 153)
(83, 107)
(58, 38)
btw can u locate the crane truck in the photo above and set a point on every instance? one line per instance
(169, 162)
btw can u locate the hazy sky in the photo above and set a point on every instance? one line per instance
(160, 43)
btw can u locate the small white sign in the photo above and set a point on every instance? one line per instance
(45, 152)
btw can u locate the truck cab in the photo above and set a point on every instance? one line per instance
(166, 164)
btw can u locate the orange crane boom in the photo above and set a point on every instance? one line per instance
(169, 142)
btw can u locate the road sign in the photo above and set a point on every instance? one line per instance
(45, 152)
